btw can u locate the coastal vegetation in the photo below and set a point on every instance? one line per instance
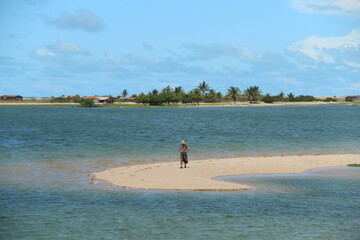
(253, 94)
(87, 103)
(64, 99)
(234, 93)
(205, 94)
(177, 96)
(354, 165)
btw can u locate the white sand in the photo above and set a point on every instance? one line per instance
(198, 176)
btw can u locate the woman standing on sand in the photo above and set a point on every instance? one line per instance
(183, 149)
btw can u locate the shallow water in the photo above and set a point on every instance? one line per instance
(303, 206)
(47, 154)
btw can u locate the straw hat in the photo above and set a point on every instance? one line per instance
(182, 142)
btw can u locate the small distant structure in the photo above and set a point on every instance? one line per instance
(37, 98)
(352, 98)
(90, 97)
(105, 100)
(11, 98)
(70, 97)
(100, 99)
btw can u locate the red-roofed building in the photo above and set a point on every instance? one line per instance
(352, 97)
(91, 97)
(11, 98)
(100, 99)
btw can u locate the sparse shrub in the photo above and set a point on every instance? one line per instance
(267, 99)
(87, 103)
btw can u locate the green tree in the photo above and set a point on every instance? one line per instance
(307, 98)
(204, 87)
(77, 98)
(291, 97)
(154, 92)
(330, 99)
(87, 103)
(186, 98)
(60, 99)
(168, 88)
(280, 97)
(142, 98)
(233, 93)
(178, 91)
(195, 96)
(211, 96)
(124, 93)
(267, 98)
(156, 100)
(253, 94)
(219, 96)
(169, 97)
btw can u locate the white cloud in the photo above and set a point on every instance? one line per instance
(289, 80)
(352, 64)
(43, 52)
(321, 49)
(223, 64)
(112, 58)
(67, 48)
(83, 20)
(339, 7)
(131, 60)
(202, 52)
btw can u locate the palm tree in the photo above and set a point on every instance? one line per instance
(290, 97)
(178, 90)
(196, 91)
(204, 87)
(195, 95)
(168, 88)
(210, 96)
(234, 93)
(281, 95)
(212, 92)
(219, 96)
(253, 93)
(124, 93)
(155, 92)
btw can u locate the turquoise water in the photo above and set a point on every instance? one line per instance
(47, 154)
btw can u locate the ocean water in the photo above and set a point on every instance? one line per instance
(47, 154)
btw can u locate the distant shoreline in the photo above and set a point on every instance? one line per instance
(135, 105)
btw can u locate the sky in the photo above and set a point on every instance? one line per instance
(91, 47)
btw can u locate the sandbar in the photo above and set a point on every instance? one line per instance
(200, 174)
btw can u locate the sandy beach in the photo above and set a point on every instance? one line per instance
(199, 174)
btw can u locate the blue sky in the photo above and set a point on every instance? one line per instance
(89, 47)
